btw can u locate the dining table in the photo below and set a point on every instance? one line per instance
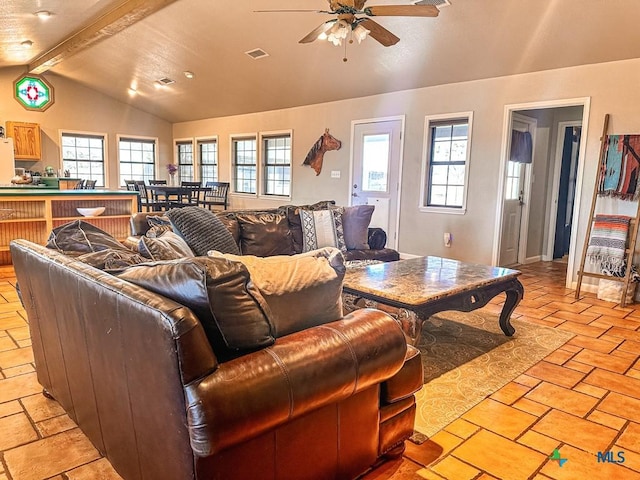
(165, 197)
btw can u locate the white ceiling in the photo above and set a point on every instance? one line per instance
(471, 39)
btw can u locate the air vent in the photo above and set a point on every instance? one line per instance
(257, 53)
(437, 3)
(165, 81)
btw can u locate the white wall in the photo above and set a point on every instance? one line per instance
(612, 88)
(78, 108)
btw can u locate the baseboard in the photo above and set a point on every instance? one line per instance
(537, 258)
(585, 287)
(404, 256)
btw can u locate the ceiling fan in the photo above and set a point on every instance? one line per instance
(352, 17)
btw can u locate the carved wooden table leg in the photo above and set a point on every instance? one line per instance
(514, 295)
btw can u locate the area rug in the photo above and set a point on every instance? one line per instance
(466, 358)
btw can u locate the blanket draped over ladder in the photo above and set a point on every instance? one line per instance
(608, 242)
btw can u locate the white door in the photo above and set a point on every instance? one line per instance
(512, 213)
(377, 152)
(516, 197)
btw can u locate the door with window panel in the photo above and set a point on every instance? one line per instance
(376, 172)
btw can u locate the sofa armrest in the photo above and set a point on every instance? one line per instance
(301, 372)
(377, 238)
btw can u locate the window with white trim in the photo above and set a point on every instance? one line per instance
(446, 163)
(244, 163)
(83, 156)
(184, 155)
(276, 153)
(137, 158)
(208, 156)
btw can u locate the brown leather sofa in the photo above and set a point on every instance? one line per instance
(277, 232)
(137, 374)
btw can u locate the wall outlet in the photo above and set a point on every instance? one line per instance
(335, 173)
(447, 239)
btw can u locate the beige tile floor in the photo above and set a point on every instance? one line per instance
(581, 399)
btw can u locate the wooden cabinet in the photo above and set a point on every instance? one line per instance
(26, 140)
(33, 214)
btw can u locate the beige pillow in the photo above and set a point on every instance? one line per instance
(301, 290)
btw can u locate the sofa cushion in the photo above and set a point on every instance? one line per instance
(233, 313)
(79, 237)
(168, 246)
(264, 234)
(302, 290)
(322, 228)
(355, 222)
(202, 230)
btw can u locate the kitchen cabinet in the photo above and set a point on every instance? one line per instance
(27, 142)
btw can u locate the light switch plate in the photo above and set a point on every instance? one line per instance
(335, 173)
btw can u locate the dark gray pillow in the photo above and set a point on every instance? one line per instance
(81, 237)
(202, 230)
(355, 222)
(233, 313)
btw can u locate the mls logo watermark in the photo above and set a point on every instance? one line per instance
(611, 457)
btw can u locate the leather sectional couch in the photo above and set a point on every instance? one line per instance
(279, 232)
(138, 374)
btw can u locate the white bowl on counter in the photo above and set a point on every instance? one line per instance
(91, 212)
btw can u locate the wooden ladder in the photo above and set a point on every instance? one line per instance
(633, 230)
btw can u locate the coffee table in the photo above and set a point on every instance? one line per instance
(412, 290)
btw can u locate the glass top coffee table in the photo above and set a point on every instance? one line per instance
(414, 289)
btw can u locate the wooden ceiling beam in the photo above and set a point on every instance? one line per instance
(116, 20)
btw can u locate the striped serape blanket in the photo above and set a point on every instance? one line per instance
(608, 241)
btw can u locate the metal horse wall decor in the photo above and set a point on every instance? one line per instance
(315, 156)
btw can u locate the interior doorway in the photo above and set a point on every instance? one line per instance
(375, 171)
(550, 193)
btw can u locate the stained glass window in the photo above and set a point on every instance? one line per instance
(33, 93)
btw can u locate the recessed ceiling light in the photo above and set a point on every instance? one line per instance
(132, 92)
(43, 14)
(188, 74)
(26, 43)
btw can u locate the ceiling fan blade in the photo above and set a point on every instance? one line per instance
(402, 11)
(379, 33)
(313, 35)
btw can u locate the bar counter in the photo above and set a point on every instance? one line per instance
(31, 212)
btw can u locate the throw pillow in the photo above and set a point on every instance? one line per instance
(81, 237)
(322, 228)
(292, 213)
(202, 230)
(169, 246)
(235, 317)
(158, 224)
(355, 221)
(264, 234)
(112, 259)
(302, 290)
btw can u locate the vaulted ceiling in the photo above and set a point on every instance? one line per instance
(141, 41)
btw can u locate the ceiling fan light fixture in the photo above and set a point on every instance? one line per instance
(360, 33)
(338, 32)
(43, 14)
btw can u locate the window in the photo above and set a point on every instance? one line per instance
(375, 162)
(184, 154)
(446, 160)
(137, 159)
(244, 164)
(83, 156)
(208, 155)
(276, 151)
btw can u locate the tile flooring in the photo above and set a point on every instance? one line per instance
(582, 399)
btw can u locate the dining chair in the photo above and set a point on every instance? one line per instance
(79, 185)
(130, 185)
(191, 194)
(89, 185)
(147, 199)
(217, 194)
